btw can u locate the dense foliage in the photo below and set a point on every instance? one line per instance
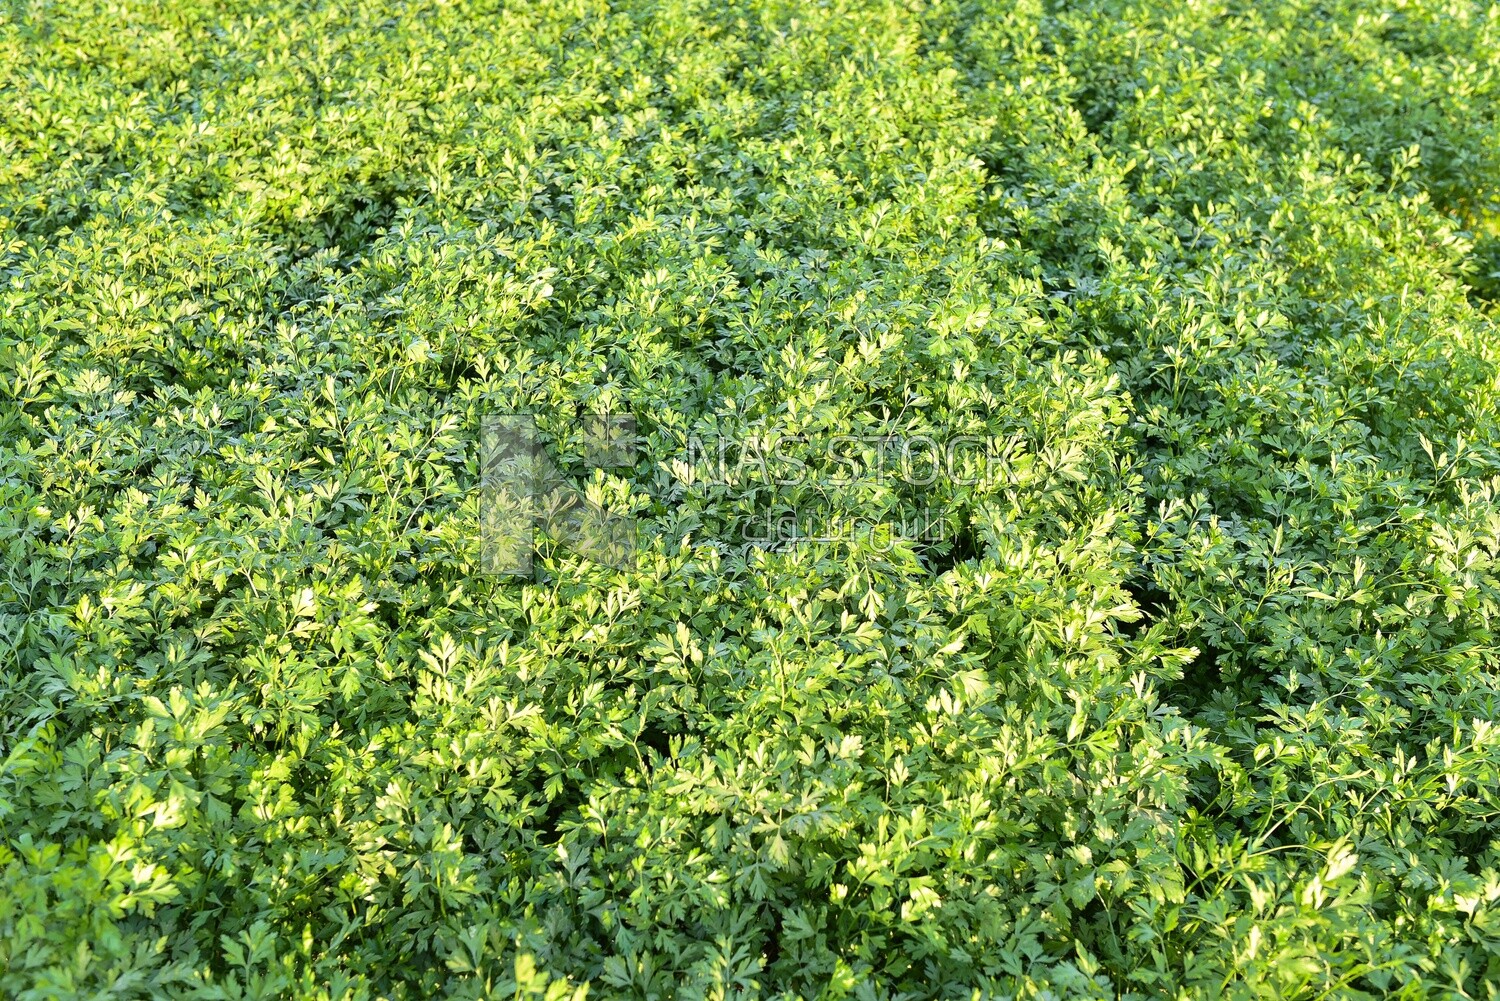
(1196, 696)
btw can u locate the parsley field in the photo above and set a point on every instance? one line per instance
(1187, 689)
